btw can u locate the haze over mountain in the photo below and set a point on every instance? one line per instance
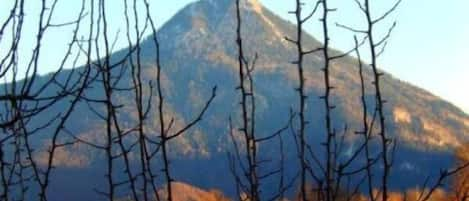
(198, 51)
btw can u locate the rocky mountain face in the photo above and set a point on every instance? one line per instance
(198, 51)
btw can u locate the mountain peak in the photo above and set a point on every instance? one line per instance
(203, 19)
(254, 5)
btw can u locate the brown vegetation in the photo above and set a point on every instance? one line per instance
(185, 192)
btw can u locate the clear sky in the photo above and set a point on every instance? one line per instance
(429, 47)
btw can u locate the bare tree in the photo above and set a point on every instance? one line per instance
(376, 48)
(302, 52)
(26, 97)
(245, 163)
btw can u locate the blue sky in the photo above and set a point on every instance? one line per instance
(429, 47)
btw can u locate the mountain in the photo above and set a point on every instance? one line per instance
(198, 52)
(198, 40)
